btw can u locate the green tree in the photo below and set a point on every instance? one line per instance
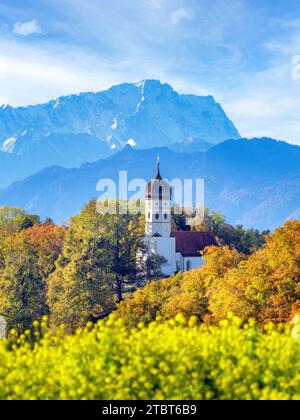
(243, 240)
(80, 290)
(126, 261)
(102, 254)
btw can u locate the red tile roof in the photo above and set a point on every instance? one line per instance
(190, 244)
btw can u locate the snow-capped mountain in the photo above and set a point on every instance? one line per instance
(86, 127)
(147, 113)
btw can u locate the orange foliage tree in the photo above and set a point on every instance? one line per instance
(267, 285)
(264, 286)
(28, 259)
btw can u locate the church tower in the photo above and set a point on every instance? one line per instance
(159, 221)
(158, 206)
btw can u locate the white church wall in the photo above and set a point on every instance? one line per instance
(188, 263)
(165, 247)
(192, 263)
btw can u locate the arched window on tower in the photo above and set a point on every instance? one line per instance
(160, 193)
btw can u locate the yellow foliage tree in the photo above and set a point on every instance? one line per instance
(264, 286)
(267, 285)
(183, 293)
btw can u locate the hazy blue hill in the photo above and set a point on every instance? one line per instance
(82, 128)
(6, 163)
(68, 150)
(266, 156)
(191, 146)
(255, 182)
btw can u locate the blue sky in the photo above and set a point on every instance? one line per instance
(244, 52)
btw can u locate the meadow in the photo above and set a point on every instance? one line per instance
(173, 360)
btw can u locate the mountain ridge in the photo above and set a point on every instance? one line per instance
(256, 195)
(146, 114)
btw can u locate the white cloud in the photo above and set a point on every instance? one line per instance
(27, 28)
(179, 14)
(266, 111)
(32, 73)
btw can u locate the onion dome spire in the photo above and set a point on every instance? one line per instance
(158, 176)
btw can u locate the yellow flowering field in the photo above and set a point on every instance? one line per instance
(173, 360)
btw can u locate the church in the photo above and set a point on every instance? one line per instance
(181, 250)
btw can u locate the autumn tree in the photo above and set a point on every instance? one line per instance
(164, 299)
(218, 262)
(264, 285)
(79, 289)
(267, 285)
(13, 220)
(28, 259)
(102, 254)
(186, 293)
